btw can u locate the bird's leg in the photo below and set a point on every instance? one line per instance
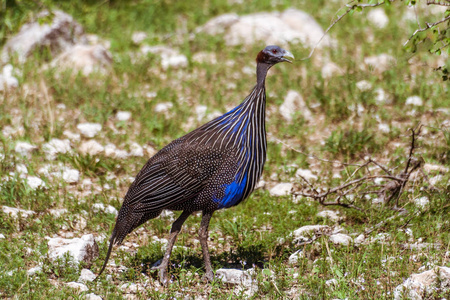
(203, 235)
(176, 227)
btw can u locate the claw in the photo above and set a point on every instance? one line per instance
(209, 277)
(162, 273)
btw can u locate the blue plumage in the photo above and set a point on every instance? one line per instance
(234, 193)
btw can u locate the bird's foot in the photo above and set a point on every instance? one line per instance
(209, 276)
(162, 273)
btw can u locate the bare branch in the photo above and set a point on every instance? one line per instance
(350, 7)
(447, 3)
(387, 192)
(381, 167)
(364, 5)
(429, 25)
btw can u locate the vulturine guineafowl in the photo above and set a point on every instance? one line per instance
(213, 167)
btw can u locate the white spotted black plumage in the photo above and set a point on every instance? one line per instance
(215, 166)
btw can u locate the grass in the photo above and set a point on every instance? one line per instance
(257, 233)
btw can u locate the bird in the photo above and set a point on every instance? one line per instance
(213, 167)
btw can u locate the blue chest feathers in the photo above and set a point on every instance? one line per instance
(233, 193)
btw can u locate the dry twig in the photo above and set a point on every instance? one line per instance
(392, 190)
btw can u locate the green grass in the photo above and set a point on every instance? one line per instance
(256, 233)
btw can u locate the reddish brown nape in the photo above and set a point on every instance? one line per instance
(261, 57)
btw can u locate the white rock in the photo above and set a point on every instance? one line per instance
(234, 276)
(174, 61)
(422, 285)
(200, 110)
(434, 168)
(384, 128)
(422, 202)
(91, 147)
(163, 107)
(78, 286)
(15, 212)
(123, 115)
(434, 180)
(7, 80)
(330, 69)
(21, 169)
(55, 146)
(304, 232)
(80, 249)
(420, 246)
(58, 212)
(381, 97)
(24, 148)
(341, 239)
(290, 26)
(34, 270)
(359, 239)
(294, 257)
(294, 103)
(136, 150)
(89, 130)
(205, 57)
(71, 175)
(260, 185)
(329, 214)
(331, 282)
(219, 24)
(158, 50)
(131, 288)
(378, 17)
(62, 32)
(364, 85)
(72, 136)
(86, 275)
(35, 182)
(110, 150)
(109, 209)
(92, 296)
(382, 236)
(138, 37)
(307, 174)
(281, 189)
(85, 59)
(9, 131)
(414, 100)
(167, 214)
(169, 57)
(380, 63)
(162, 241)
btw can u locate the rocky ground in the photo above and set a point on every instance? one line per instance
(81, 113)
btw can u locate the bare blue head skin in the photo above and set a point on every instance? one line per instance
(268, 57)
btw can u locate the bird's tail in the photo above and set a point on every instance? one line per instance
(124, 225)
(111, 244)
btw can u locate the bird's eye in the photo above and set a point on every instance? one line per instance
(274, 51)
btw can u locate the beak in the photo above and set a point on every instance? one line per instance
(287, 55)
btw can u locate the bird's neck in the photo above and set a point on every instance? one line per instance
(261, 73)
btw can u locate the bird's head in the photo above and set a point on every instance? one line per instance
(272, 55)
